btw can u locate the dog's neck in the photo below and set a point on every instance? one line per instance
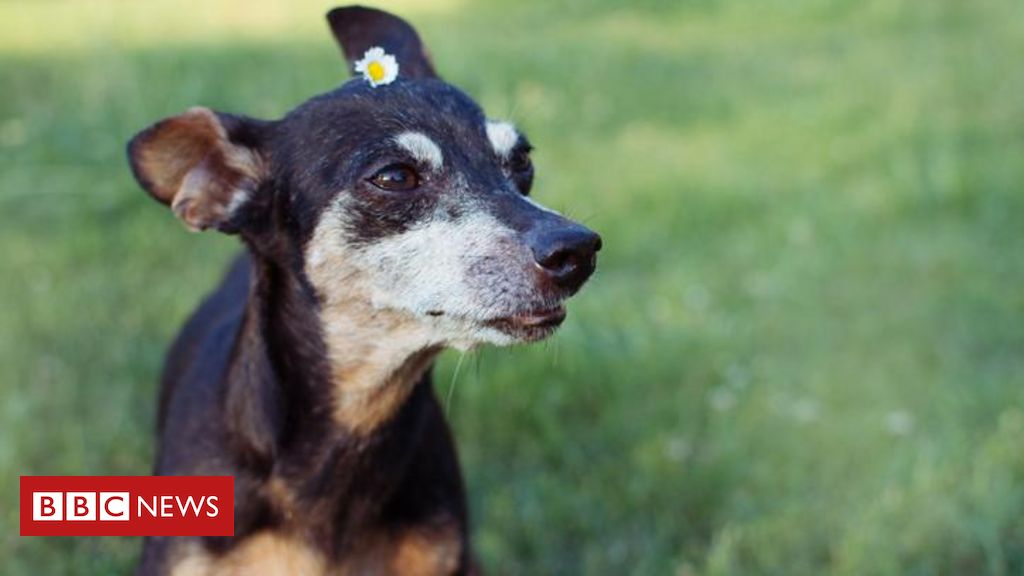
(374, 359)
(318, 382)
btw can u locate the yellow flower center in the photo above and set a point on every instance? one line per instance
(376, 71)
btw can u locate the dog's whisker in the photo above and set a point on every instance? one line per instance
(515, 109)
(451, 386)
(477, 361)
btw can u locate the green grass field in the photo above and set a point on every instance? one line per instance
(803, 352)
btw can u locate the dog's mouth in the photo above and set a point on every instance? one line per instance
(532, 325)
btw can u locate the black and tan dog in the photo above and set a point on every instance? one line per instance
(383, 223)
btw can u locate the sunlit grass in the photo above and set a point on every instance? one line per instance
(66, 26)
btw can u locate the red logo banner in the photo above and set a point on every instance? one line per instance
(127, 506)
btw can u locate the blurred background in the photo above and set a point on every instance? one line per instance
(803, 352)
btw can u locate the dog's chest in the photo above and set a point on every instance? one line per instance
(414, 552)
(263, 553)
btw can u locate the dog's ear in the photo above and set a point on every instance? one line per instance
(205, 165)
(358, 29)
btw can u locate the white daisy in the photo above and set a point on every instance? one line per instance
(377, 67)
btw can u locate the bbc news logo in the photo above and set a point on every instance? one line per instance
(127, 506)
(116, 506)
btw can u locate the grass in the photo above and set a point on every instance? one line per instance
(803, 352)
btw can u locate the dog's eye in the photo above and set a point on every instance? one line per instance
(520, 161)
(396, 178)
(520, 169)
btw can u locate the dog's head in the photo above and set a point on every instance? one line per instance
(403, 198)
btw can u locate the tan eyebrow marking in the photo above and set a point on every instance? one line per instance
(503, 136)
(422, 148)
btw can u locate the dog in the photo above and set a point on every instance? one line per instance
(383, 223)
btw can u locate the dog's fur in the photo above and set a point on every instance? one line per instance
(306, 374)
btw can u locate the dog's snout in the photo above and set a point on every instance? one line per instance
(567, 255)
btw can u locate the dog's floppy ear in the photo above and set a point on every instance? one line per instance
(205, 165)
(358, 29)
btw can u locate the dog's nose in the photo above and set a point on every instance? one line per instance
(567, 255)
